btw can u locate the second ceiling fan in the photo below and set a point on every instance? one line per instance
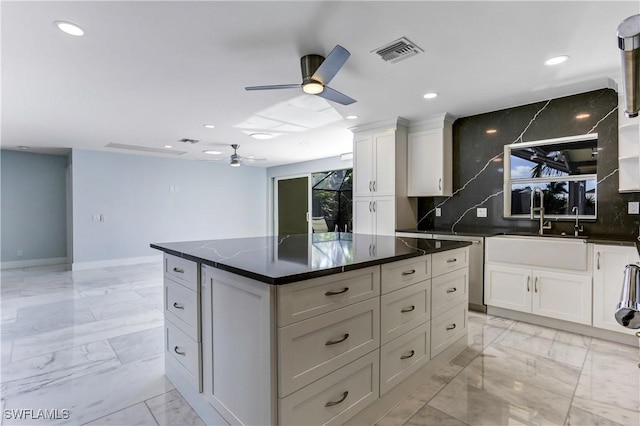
(317, 72)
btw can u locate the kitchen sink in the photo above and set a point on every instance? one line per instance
(552, 251)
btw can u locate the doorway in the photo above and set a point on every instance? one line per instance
(292, 205)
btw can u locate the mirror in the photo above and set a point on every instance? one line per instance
(564, 169)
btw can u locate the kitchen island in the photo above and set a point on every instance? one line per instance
(312, 328)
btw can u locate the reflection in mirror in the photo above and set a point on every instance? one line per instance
(563, 169)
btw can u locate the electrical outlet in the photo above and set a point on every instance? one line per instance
(481, 212)
(96, 217)
(633, 207)
(438, 212)
(19, 253)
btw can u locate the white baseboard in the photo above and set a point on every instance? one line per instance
(82, 266)
(34, 262)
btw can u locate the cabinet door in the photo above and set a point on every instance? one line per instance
(384, 210)
(363, 165)
(562, 296)
(608, 275)
(363, 218)
(429, 163)
(384, 181)
(508, 287)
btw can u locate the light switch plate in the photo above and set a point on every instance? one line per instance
(481, 212)
(438, 212)
(634, 207)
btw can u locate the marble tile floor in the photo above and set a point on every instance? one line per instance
(91, 342)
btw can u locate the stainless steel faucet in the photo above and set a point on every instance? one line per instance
(540, 209)
(577, 228)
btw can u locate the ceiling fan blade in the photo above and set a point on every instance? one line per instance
(331, 65)
(277, 86)
(335, 96)
(253, 160)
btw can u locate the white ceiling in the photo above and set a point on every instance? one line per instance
(150, 73)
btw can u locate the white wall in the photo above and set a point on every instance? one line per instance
(147, 200)
(296, 169)
(34, 208)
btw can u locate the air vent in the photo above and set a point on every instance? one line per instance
(186, 140)
(398, 50)
(145, 149)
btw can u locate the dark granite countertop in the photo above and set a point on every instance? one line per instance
(289, 258)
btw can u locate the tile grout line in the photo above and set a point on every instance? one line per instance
(150, 410)
(584, 361)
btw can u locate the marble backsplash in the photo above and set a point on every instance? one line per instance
(478, 166)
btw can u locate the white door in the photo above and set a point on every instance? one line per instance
(425, 163)
(363, 172)
(508, 287)
(562, 296)
(385, 164)
(608, 275)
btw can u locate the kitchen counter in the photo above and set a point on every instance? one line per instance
(290, 258)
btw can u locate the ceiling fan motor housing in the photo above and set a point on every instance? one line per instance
(309, 65)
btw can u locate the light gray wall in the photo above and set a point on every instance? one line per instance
(34, 206)
(296, 169)
(149, 200)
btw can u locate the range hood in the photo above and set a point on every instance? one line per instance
(629, 44)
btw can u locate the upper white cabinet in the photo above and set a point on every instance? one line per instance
(374, 161)
(380, 200)
(430, 157)
(608, 274)
(628, 150)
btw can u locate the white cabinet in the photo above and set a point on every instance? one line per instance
(551, 294)
(608, 275)
(430, 158)
(628, 150)
(374, 215)
(374, 160)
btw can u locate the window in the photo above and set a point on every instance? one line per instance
(564, 169)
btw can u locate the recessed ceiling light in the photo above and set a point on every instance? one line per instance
(581, 116)
(210, 152)
(261, 136)
(556, 60)
(209, 126)
(24, 148)
(168, 146)
(430, 95)
(69, 28)
(491, 131)
(351, 117)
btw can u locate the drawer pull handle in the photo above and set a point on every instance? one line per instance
(179, 352)
(411, 272)
(412, 353)
(409, 309)
(178, 270)
(178, 305)
(452, 290)
(452, 260)
(333, 293)
(335, 342)
(451, 327)
(332, 403)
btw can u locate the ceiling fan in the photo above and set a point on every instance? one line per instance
(317, 72)
(235, 159)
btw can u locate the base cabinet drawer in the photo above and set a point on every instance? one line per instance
(403, 273)
(404, 309)
(451, 260)
(403, 356)
(448, 290)
(181, 305)
(313, 348)
(183, 349)
(182, 270)
(336, 397)
(447, 328)
(300, 301)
